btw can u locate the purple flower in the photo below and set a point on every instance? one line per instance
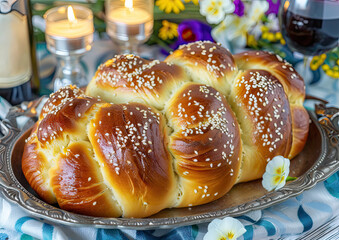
(239, 8)
(193, 30)
(273, 7)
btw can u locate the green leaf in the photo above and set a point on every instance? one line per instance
(191, 12)
(290, 178)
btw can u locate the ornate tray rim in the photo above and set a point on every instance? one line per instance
(324, 118)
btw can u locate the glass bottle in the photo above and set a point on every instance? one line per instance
(18, 70)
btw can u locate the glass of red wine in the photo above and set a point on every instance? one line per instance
(310, 27)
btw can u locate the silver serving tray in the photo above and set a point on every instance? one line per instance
(315, 163)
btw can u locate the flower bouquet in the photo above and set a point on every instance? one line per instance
(236, 24)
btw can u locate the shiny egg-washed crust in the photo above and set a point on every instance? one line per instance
(35, 166)
(261, 105)
(129, 78)
(106, 160)
(60, 97)
(177, 133)
(205, 143)
(294, 87)
(128, 141)
(206, 63)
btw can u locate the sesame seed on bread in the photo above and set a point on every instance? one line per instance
(177, 133)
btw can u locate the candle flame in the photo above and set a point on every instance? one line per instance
(70, 15)
(129, 4)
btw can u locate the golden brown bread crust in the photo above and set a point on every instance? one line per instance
(128, 141)
(195, 125)
(64, 118)
(206, 63)
(205, 143)
(59, 98)
(263, 112)
(78, 184)
(35, 165)
(99, 148)
(300, 127)
(129, 78)
(293, 85)
(210, 56)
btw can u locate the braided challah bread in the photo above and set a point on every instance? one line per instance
(166, 134)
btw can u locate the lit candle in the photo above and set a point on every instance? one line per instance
(69, 28)
(129, 16)
(69, 35)
(131, 23)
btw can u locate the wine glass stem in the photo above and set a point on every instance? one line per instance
(69, 71)
(128, 48)
(306, 65)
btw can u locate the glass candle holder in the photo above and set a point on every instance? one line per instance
(129, 23)
(69, 35)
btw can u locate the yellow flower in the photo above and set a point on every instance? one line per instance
(251, 42)
(265, 35)
(168, 30)
(313, 66)
(196, 2)
(271, 37)
(169, 6)
(278, 35)
(317, 61)
(325, 67)
(264, 28)
(331, 72)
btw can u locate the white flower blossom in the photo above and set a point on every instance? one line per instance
(273, 22)
(227, 228)
(234, 29)
(215, 10)
(257, 9)
(277, 171)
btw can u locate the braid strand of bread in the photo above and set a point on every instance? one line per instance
(166, 134)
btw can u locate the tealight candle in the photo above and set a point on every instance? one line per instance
(69, 29)
(130, 24)
(69, 34)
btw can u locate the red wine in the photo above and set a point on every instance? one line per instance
(311, 30)
(17, 59)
